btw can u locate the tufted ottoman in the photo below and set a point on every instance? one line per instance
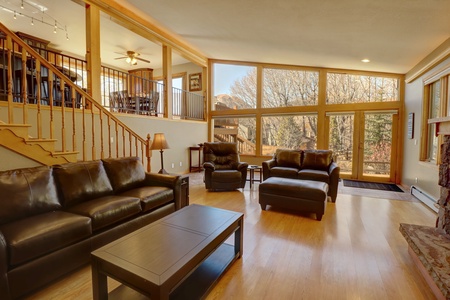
(303, 195)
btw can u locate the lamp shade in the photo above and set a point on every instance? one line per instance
(159, 142)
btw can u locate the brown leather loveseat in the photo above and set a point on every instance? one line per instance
(316, 165)
(52, 218)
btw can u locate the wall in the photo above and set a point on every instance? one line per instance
(427, 174)
(180, 135)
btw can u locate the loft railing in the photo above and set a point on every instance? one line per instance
(37, 92)
(128, 93)
(187, 105)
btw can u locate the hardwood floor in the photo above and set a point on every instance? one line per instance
(355, 252)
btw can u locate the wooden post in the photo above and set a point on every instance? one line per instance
(93, 52)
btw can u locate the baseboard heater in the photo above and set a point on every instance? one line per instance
(424, 197)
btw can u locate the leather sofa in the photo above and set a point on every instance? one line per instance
(52, 218)
(223, 169)
(316, 165)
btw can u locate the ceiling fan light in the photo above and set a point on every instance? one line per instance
(133, 61)
(128, 60)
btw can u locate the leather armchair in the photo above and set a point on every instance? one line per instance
(223, 170)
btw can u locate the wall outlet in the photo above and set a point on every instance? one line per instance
(173, 165)
(416, 180)
(112, 140)
(181, 164)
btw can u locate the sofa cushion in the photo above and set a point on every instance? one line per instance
(27, 192)
(288, 158)
(315, 175)
(151, 196)
(107, 210)
(125, 173)
(284, 172)
(82, 181)
(41, 234)
(226, 176)
(317, 159)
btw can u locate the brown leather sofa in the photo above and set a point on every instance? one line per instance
(223, 170)
(52, 218)
(316, 165)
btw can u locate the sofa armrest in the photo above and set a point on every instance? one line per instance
(4, 286)
(209, 166)
(241, 166)
(266, 166)
(170, 181)
(333, 172)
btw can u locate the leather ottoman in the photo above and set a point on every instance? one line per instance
(302, 195)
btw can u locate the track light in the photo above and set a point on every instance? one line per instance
(15, 17)
(21, 6)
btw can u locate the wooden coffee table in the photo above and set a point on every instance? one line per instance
(179, 257)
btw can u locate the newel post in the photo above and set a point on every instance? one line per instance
(148, 153)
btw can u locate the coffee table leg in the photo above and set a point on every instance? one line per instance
(99, 283)
(239, 239)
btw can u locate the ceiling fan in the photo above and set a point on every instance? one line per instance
(132, 57)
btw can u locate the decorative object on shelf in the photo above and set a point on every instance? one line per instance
(132, 57)
(195, 82)
(160, 143)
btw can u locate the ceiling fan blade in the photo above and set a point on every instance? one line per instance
(144, 60)
(121, 57)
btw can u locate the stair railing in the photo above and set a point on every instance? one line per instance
(59, 109)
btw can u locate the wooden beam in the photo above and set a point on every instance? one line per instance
(93, 57)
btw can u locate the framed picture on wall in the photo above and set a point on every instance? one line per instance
(195, 82)
(411, 125)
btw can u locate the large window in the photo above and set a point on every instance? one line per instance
(234, 87)
(289, 132)
(350, 88)
(283, 88)
(264, 107)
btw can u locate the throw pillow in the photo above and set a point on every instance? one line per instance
(289, 158)
(317, 159)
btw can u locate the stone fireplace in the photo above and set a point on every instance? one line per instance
(430, 246)
(443, 221)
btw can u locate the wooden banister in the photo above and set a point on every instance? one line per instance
(79, 117)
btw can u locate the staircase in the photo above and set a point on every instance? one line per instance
(15, 138)
(67, 119)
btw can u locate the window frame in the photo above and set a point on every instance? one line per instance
(428, 128)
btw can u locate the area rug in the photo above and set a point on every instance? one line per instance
(373, 185)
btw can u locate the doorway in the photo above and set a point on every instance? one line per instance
(362, 142)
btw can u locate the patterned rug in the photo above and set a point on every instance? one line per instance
(373, 185)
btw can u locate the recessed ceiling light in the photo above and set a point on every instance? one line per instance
(365, 60)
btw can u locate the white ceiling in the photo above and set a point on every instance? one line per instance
(394, 34)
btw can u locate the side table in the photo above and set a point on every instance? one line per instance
(195, 168)
(184, 190)
(251, 169)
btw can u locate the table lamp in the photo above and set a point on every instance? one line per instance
(160, 143)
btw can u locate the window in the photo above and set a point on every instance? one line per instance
(283, 88)
(434, 112)
(234, 87)
(237, 130)
(348, 88)
(435, 103)
(289, 132)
